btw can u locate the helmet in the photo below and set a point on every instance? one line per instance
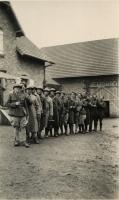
(40, 87)
(52, 89)
(58, 92)
(46, 90)
(18, 86)
(30, 87)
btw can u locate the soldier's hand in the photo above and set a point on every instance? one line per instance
(17, 103)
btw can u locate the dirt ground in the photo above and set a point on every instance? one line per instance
(67, 167)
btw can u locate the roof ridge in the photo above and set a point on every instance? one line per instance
(88, 41)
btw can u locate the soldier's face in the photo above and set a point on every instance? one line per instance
(39, 91)
(33, 91)
(46, 93)
(17, 89)
(73, 95)
(52, 93)
(29, 91)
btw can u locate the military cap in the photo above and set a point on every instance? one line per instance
(40, 87)
(18, 85)
(46, 90)
(58, 92)
(30, 87)
(52, 89)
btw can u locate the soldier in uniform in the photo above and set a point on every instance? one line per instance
(82, 114)
(77, 112)
(87, 109)
(100, 111)
(39, 111)
(52, 96)
(93, 112)
(18, 111)
(33, 109)
(43, 113)
(56, 113)
(62, 115)
(72, 107)
(65, 113)
(49, 110)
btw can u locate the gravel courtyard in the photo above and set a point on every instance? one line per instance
(68, 167)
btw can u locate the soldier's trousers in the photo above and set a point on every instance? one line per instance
(95, 120)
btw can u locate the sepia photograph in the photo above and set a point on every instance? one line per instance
(59, 99)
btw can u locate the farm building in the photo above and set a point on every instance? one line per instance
(92, 66)
(19, 57)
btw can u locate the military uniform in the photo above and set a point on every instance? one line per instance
(72, 106)
(56, 115)
(18, 111)
(100, 111)
(49, 112)
(93, 114)
(33, 109)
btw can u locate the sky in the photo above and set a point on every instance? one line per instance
(50, 23)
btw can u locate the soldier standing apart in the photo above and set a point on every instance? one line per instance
(18, 111)
(100, 111)
(49, 110)
(93, 112)
(33, 109)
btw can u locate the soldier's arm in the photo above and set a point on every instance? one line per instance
(37, 107)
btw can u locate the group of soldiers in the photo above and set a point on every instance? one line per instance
(53, 112)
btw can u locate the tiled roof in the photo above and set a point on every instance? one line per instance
(26, 48)
(92, 58)
(50, 81)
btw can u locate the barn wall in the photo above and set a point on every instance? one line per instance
(107, 86)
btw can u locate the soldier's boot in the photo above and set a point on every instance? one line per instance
(51, 132)
(100, 125)
(79, 128)
(55, 132)
(27, 136)
(95, 126)
(35, 139)
(17, 138)
(61, 129)
(46, 132)
(71, 129)
(90, 127)
(26, 144)
(76, 128)
(85, 127)
(66, 130)
(83, 131)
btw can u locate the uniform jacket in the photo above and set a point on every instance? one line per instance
(49, 106)
(17, 110)
(33, 109)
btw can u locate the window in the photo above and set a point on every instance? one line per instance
(1, 42)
